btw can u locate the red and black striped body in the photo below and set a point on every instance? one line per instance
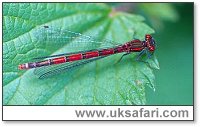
(132, 46)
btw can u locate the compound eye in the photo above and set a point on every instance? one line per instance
(148, 37)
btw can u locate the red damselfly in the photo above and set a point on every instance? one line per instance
(62, 62)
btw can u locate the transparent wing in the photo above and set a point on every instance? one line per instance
(48, 71)
(66, 41)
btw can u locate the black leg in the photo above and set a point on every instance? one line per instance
(149, 55)
(140, 55)
(122, 57)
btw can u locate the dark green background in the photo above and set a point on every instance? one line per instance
(174, 80)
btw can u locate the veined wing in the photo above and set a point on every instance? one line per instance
(48, 71)
(68, 41)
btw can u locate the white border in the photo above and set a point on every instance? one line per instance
(118, 112)
(131, 124)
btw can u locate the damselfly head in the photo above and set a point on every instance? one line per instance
(150, 42)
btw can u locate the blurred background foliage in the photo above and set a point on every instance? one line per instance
(173, 23)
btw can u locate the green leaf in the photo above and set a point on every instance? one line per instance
(98, 83)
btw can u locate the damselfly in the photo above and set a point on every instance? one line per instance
(63, 62)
